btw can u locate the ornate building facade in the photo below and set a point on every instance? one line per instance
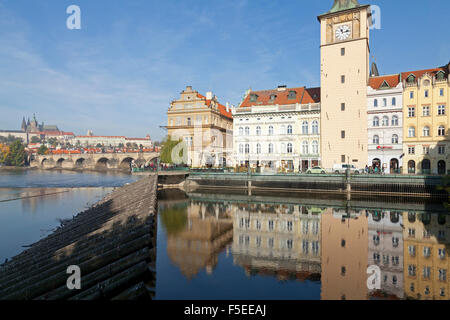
(385, 119)
(426, 119)
(278, 129)
(204, 125)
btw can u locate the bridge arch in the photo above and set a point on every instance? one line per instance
(59, 163)
(44, 161)
(102, 163)
(80, 163)
(126, 163)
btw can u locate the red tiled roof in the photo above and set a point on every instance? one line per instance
(222, 109)
(303, 96)
(312, 95)
(115, 137)
(420, 73)
(392, 81)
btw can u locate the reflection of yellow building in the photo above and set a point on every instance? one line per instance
(280, 240)
(426, 119)
(344, 256)
(204, 125)
(207, 233)
(426, 262)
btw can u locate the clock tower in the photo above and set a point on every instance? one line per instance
(345, 52)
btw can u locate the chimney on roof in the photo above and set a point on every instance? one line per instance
(282, 88)
(209, 95)
(188, 88)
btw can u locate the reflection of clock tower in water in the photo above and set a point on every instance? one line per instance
(344, 78)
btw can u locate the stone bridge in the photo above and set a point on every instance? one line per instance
(97, 161)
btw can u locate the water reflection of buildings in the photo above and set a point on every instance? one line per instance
(344, 255)
(197, 246)
(281, 240)
(426, 262)
(386, 252)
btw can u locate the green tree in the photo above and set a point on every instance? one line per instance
(167, 148)
(174, 219)
(16, 156)
(42, 150)
(53, 141)
(99, 145)
(121, 146)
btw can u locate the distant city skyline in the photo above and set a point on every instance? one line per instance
(119, 73)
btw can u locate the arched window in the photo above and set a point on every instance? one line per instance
(394, 101)
(289, 148)
(241, 148)
(270, 131)
(375, 103)
(315, 147)
(283, 148)
(241, 131)
(426, 131)
(283, 129)
(258, 148)
(411, 132)
(258, 131)
(411, 166)
(305, 147)
(394, 139)
(247, 148)
(247, 131)
(441, 131)
(270, 148)
(305, 127)
(376, 122)
(289, 129)
(315, 127)
(385, 121)
(376, 139)
(395, 121)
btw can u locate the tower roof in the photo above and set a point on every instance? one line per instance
(341, 5)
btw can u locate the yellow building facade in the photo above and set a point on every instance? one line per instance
(426, 263)
(426, 118)
(344, 77)
(206, 127)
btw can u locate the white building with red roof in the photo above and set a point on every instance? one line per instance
(385, 122)
(278, 130)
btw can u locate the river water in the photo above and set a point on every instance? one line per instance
(33, 202)
(232, 246)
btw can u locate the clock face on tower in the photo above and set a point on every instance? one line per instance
(343, 32)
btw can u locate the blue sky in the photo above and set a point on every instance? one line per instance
(118, 74)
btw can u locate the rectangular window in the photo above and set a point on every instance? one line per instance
(384, 102)
(426, 94)
(441, 110)
(441, 92)
(342, 106)
(394, 101)
(343, 158)
(411, 150)
(411, 112)
(343, 134)
(441, 149)
(426, 150)
(426, 111)
(342, 51)
(342, 79)
(411, 94)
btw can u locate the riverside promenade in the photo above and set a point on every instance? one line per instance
(113, 243)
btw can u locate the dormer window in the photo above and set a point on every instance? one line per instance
(292, 95)
(411, 79)
(273, 97)
(253, 97)
(440, 75)
(384, 85)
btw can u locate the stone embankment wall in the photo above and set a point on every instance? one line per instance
(113, 243)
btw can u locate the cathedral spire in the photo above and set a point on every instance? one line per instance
(24, 125)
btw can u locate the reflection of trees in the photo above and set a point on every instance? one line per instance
(174, 219)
